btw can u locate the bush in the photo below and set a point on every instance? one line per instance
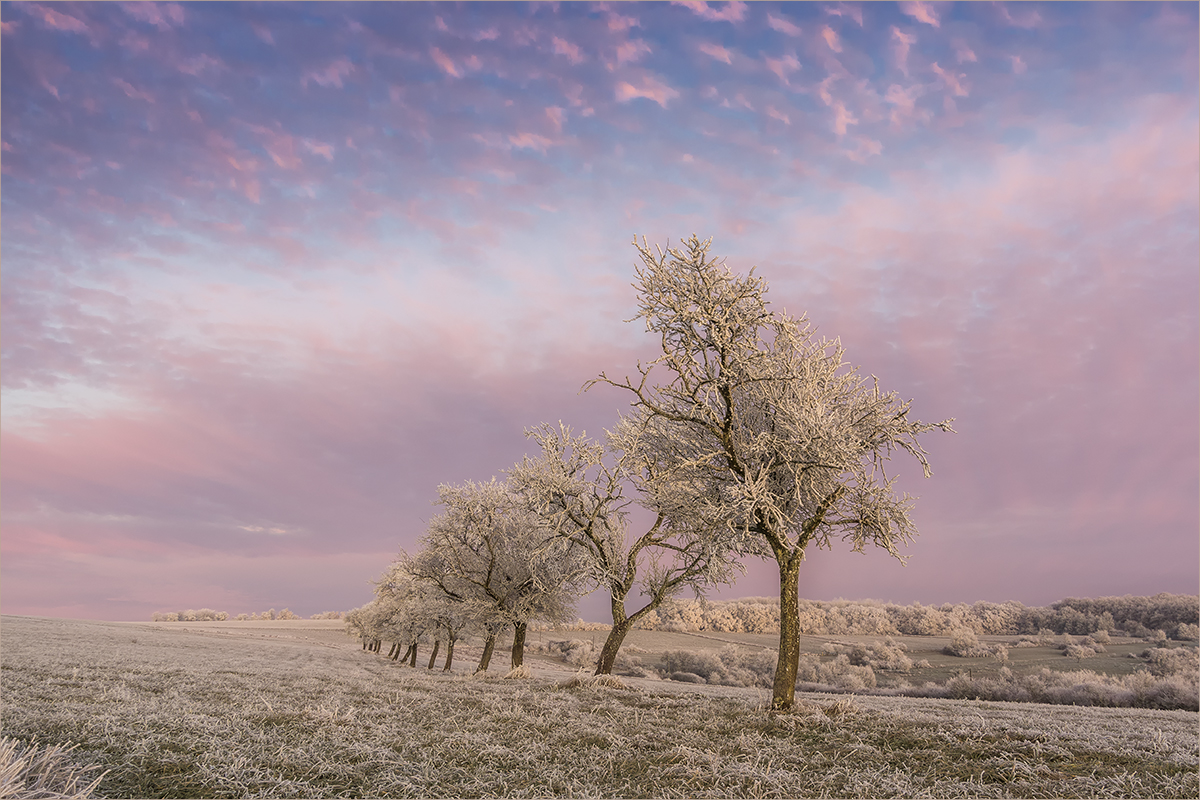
(576, 652)
(1165, 661)
(1187, 632)
(838, 674)
(687, 677)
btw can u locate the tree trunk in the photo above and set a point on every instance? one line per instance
(365, 642)
(488, 647)
(413, 659)
(408, 653)
(784, 693)
(449, 654)
(616, 635)
(437, 643)
(518, 648)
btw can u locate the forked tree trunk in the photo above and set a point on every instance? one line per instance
(488, 646)
(449, 654)
(784, 692)
(616, 635)
(518, 648)
(437, 643)
(394, 653)
(408, 653)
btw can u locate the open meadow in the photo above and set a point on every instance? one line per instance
(298, 709)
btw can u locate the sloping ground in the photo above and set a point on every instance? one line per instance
(181, 711)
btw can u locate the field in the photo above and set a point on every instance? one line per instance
(297, 709)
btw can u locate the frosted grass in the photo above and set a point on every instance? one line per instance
(180, 712)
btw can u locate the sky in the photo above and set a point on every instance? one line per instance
(273, 272)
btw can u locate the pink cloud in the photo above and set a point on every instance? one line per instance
(831, 38)
(263, 32)
(715, 51)
(163, 16)
(962, 52)
(782, 25)
(319, 149)
(783, 66)
(779, 115)
(1023, 18)
(629, 51)
(952, 81)
(556, 116)
(338, 69)
(618, 22)
(9, 28)
(279, 146)
(904, 101)
(444, 61)
(843, 10)
(252, 189)
(651, 88)
(842, 118)
(132, 92)
(201, 63)
(729, 12)
(531, 141)
(1018, 65)
(54, 19)
(921, 12)
(903, 42)
(564, 48)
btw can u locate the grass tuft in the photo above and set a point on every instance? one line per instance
(30, 770)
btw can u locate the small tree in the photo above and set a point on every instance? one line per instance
(766, 426)
(486, 552)
(578, 488)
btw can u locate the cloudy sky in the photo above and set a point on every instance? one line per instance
(272, 272)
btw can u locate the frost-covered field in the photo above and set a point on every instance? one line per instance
(299, 710)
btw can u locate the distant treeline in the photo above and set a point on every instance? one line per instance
(208, 615)
(1177, 615)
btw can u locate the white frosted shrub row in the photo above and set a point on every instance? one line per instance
(1177, 616)
(209, 615)
(1171, 681)
(1077, 687)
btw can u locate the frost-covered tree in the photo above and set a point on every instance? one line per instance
(766, 425)
(486, 552)
(582, 489)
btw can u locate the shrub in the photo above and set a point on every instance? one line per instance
(1187, 632)
(687, 677)
(1078, 651)
(1164, 661)
(576, 652)
(963, 643)
(704, 662)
